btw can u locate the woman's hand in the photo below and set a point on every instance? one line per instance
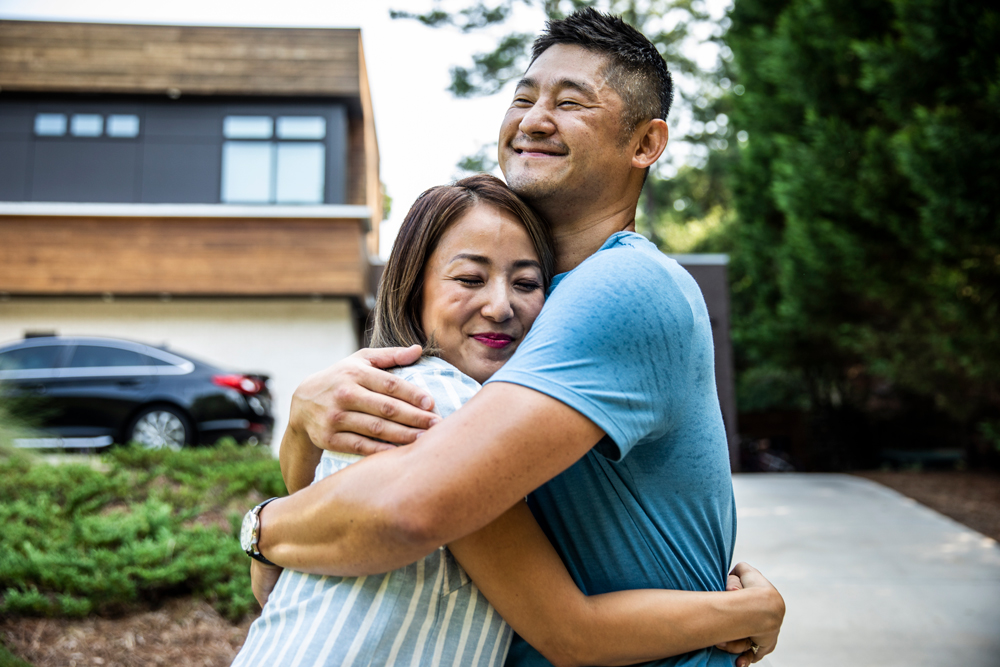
(747, 577)
(263, 578)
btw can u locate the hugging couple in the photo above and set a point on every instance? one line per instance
(583, 364)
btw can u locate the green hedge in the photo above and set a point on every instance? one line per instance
(124, 531)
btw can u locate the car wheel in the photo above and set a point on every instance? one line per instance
(160, 427)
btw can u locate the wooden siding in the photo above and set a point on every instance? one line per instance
(182, 256)
(373, 183)
(112, 58)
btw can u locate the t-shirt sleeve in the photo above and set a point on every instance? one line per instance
(610, 343)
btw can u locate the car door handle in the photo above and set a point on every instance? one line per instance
(36, 388)
(128, 383)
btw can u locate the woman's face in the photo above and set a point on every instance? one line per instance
(482, 290)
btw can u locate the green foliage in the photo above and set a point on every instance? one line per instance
(484, 160)
(866, 258)
(137, 527)
(8, 659)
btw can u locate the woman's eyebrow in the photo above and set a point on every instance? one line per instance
(479, 259)
(528, 263)
(486, 261)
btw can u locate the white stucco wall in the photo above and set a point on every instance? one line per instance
(287, 339)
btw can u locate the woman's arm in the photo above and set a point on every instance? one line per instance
(520, 573)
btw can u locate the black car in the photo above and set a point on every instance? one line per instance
(90, 392)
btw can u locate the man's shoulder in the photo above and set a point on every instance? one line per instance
(627, 264)
(628, 276)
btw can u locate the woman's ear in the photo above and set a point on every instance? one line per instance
(652, 142)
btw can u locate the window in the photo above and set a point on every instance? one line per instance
(50, 124)
(94, 356)
(258, 170)
(86, 125)
(30, 358)
(123, 125)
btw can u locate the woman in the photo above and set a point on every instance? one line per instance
(466, 279)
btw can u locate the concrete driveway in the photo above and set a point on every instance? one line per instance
(870, 578)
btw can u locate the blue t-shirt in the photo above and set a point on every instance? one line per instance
(625, 340)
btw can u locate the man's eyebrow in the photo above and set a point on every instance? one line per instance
(563, 84)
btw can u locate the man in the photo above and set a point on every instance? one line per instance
(607, 414)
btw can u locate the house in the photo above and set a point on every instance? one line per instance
(214, 189)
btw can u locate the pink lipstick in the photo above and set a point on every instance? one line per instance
(494, 340)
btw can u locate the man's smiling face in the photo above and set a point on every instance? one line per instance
(561, 136)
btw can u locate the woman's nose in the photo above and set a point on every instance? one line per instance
(497, 307)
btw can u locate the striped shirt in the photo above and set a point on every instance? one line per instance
(427, 613)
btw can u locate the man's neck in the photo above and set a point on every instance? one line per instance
(578, 234)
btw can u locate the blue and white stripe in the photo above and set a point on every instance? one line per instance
(427, 613)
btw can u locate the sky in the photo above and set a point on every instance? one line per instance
(423, 131)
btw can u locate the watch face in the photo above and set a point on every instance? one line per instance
(246, 531)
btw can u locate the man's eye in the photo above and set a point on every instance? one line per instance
(522, 102)
(569, 103)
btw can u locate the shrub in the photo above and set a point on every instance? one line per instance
(130, 529)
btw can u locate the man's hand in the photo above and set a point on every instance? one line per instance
(353, 407)
(263, 578)
(744, 576)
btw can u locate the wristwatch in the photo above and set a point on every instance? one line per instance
(250, 533)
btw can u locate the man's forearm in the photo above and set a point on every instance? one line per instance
(397, 506)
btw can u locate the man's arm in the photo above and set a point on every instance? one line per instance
(393, 508)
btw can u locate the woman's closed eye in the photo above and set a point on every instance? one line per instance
(528, 285)
(469, 281)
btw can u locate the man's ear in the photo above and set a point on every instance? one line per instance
(652, 143)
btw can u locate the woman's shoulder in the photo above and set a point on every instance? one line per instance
(449, 387)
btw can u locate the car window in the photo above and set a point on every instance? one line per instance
(153, 361)
(30, 358)
(95, 356)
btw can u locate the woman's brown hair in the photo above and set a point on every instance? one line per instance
(397, 310)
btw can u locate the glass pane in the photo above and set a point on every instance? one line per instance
(248, 127)
(94, 356)
(301, 173)
(246, 172)
(86, 125)
(30, 358)
(123, 125)
(301, 127)
(50, 124)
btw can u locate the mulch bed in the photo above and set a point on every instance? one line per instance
(189, 633)
(184, 633)
(971, 498)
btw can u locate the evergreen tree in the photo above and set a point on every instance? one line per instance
(867, 249)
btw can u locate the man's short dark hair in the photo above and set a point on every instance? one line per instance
(636, 70)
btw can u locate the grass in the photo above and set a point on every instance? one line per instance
(122, 536)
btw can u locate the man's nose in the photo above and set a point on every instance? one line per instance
(497, 307)
(537, 121)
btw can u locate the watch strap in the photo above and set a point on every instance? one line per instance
(254, 551)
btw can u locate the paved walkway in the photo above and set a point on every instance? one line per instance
(870, 578)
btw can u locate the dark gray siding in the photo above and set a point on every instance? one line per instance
(176, 157)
